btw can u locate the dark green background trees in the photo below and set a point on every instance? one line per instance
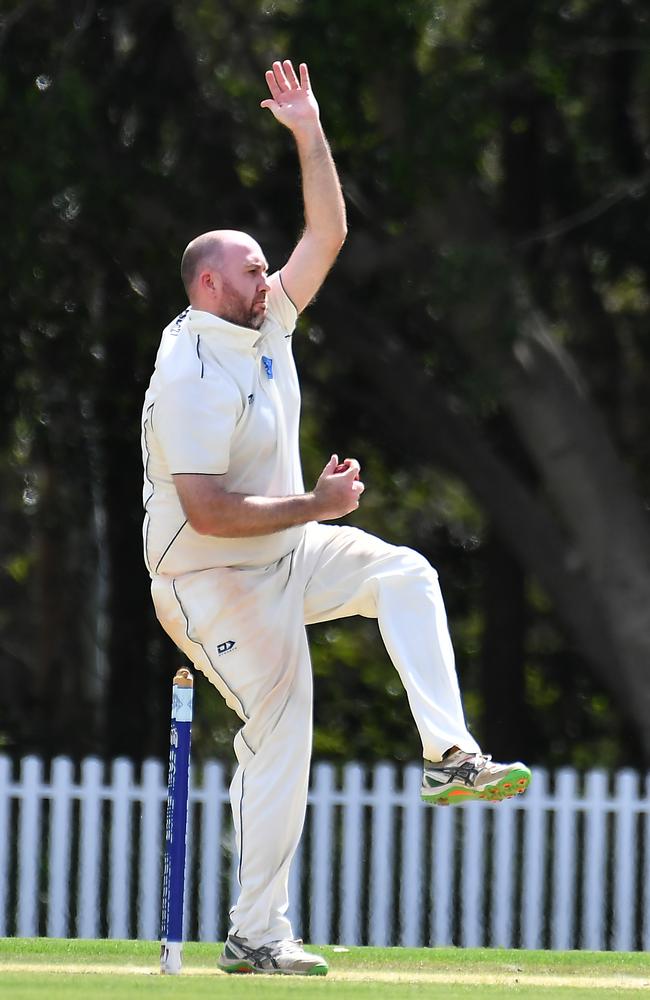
(482, 346)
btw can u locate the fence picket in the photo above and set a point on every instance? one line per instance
(503, 852)
(381, 857)
(5, 842)
(580, 887)
(352, 855)
(90, 848)
(149, 865)
(28, 833)
(321, 853)
(472, 877)
(563, 904)
(624, 883)
(412, 874)
(120, 869)
(534, 841)
(594, 882)
(442, 875)
(59, 853)
(210, 884)
(645, 883)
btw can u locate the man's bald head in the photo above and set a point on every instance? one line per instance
(206, 249)
(224, 271)
(212, 250)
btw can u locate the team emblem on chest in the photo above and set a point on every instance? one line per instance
(268, 366)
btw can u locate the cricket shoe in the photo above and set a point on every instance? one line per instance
(285, 958)
(461, 776)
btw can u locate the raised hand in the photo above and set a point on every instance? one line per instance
(292, 101)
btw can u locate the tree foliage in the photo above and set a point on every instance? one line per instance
(481, 346)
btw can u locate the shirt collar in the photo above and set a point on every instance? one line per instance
(214, 327)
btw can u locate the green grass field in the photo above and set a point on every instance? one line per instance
(31, 969)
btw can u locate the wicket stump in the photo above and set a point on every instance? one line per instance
(180, 739)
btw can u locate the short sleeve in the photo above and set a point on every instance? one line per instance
(280, 306)
(194, 422)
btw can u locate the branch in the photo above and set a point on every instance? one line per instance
(626, 189)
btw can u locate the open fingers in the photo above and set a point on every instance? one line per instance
(290, 74)
(272, 84)
(304, 77)
(277, 81)
(282, 78)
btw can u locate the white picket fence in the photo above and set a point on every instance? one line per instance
(565, 866)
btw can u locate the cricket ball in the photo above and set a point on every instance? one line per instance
(343, 467)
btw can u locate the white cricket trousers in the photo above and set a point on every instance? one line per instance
(244, 628)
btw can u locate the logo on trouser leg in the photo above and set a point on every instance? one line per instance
(225, 647)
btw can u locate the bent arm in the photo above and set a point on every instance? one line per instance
(212, 510)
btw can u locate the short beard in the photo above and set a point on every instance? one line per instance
(236, 310)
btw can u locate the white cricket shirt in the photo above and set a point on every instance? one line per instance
(223, 400)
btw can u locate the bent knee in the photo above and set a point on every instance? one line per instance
(415, 564)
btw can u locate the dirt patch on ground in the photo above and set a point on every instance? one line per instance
(547, 980)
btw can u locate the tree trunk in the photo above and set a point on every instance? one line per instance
(439, 433)
(586, 482)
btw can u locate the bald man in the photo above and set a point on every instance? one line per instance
(240, 559)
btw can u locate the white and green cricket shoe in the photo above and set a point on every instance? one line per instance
(462, 776)
(285, 958)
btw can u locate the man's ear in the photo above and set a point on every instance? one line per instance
(210, 282)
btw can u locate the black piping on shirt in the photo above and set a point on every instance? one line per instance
(147, 419)
(170, 545)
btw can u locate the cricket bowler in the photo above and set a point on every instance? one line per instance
(242, 557)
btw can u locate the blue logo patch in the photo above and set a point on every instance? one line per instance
(268, 366)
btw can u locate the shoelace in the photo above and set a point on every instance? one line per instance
(265, 952)
(467, 771)
(290, 946)
(257, 955)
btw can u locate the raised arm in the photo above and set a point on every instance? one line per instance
(294, 105)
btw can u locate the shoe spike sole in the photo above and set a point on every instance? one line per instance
(514, 784)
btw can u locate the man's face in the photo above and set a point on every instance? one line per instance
(244, 285)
